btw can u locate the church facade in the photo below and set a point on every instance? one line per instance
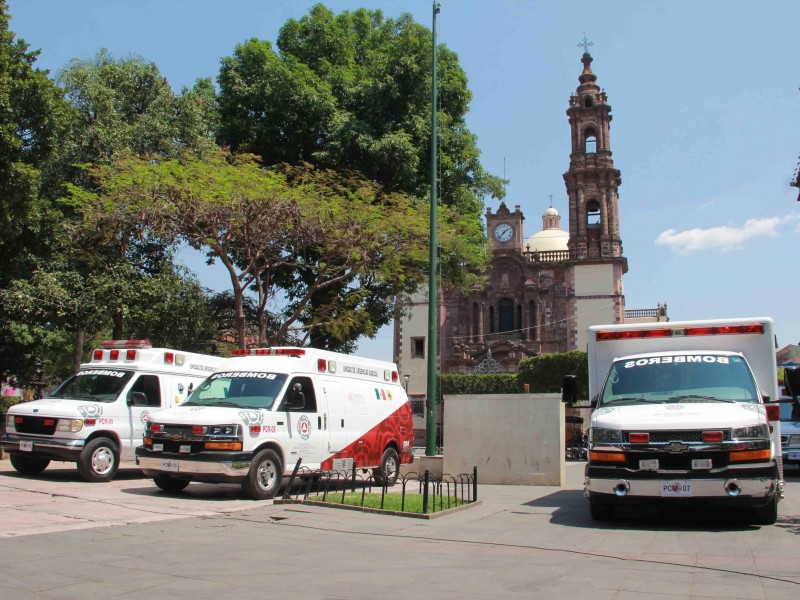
(541, 292)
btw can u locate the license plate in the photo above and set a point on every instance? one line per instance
(676, 488)
(185, 448)
(170, 465)
(26, 446)
(793, 456)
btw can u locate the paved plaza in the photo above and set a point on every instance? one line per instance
(62, 538)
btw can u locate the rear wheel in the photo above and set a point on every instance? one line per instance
(600, 511)
(389, 469)
(99, 460)
(767, 514)
(170, 484)
(264, 478)
(29, 465)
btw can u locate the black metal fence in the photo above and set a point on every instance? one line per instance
(438, 493)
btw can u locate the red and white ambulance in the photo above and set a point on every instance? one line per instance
(264, 409)
(96, 417)
(685, 414)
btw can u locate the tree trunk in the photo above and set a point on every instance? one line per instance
(118, 322)
(77, 353)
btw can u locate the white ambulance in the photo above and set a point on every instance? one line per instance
(683, 416)
(267, 408)
(96, 417)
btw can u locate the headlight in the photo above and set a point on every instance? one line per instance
(70, 425)
(9, 422)
(759, 432)
(794, 439)
(597, 434)
(222, 429)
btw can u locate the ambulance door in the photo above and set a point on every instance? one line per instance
(340, 434)
(304, 423)
(145, 396)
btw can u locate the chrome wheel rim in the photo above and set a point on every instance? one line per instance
(102, 460)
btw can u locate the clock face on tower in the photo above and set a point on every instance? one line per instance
(503, 232)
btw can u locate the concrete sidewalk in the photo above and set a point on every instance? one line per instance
(521, 542)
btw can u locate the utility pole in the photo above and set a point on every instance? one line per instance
(433, 313)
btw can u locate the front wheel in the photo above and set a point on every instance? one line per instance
(600, 511)
(767, 514)
(170, 484)
(264, 478)
(29, 465)
(99, 460)
(387, 474)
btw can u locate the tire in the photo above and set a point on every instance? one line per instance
(29, 465)
(387, 473)
(767, 514)
(264, 478)
(170, 484)
(600, 511)
(99, 460)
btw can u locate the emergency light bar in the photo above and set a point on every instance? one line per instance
(269, 352)
(126, 344)
(679, 332)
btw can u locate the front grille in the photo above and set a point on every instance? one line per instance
(679, 461)
(665, 437)
(184, 430)
(36, 425)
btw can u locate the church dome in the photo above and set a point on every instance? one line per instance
(551, 237)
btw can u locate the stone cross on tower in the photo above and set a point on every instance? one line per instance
(585, 43)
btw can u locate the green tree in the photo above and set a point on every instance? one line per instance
(351, 92)
(307, 229)
(126, 107)
(34, 131)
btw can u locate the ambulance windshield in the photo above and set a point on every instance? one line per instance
(238, 389)
(679, 378)
(99, 385)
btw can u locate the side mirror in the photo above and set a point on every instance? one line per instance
(569, 389)
(593, 403)
(791, 381)
(137, 399)
(296, 398)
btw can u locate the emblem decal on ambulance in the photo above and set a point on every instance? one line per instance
(251, 417)
(90, 410)
(304, 427)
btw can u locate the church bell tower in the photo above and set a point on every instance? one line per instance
(596, 263)
(592, 181)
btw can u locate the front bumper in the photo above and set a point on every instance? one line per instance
(50, 448)
(210, 467)
(754, 485)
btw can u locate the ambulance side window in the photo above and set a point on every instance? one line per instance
(151, 388)
(299, 396)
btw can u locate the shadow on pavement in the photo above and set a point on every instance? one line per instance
(573, 511)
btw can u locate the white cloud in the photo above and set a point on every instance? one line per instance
(721, 239)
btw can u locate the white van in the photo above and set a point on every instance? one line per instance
(96, 417)
(265, 409)
(686, 413)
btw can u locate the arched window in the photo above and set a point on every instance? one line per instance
(587, 101)
(506, 310)
(593, 218)
(590, 147)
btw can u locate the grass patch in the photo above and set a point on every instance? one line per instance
(394, 502)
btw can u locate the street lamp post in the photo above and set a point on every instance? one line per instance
(433, 313)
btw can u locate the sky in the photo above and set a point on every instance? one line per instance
(705, 131)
